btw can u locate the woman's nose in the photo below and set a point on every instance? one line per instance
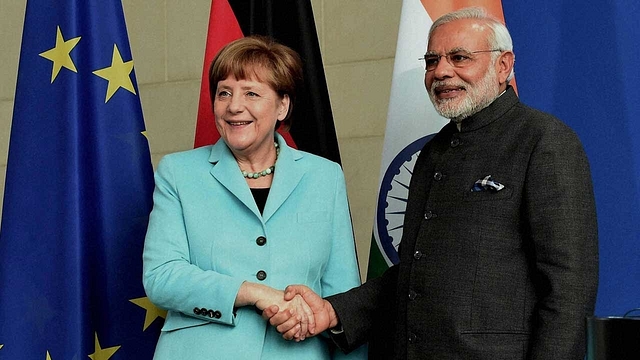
(235, 104)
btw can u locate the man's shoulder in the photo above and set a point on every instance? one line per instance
(539, 120)
(542, 127)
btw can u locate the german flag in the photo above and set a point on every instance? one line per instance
(290, 22)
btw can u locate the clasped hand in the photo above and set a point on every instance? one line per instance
(320, 315)
(291, 308)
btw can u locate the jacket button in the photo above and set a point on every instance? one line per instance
(261, 275)
(417, 255)
(217, 314)
(412, 295)
(455, 142)
(429, 215)
(412, 338)
(261, 240)
(437, 176)
(196, 311)
(212, 314)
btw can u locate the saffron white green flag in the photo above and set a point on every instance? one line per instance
(411, 121)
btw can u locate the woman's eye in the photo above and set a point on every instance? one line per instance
(224, 93)
(251, 93)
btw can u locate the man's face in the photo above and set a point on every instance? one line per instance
(459, 92)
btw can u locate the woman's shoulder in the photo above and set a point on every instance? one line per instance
(315, 161)
(187, 157)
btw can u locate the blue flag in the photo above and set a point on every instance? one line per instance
(78, 192)
(572, 62)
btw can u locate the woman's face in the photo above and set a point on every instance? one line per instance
(246, 112)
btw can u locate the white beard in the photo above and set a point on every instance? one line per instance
(477, 97)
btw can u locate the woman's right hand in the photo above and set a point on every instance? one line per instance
(298, 309)
(262, 296)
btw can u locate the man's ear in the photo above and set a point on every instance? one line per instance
(504, 66)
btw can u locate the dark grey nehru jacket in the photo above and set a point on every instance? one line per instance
(508, 274)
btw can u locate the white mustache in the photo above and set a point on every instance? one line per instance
(436, 84)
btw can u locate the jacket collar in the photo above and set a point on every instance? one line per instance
(287, 175)
(491, 113)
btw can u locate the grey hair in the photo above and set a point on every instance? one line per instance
(499, 38)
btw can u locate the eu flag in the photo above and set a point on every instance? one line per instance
(78, 192)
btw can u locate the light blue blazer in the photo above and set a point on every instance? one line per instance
(204, 238)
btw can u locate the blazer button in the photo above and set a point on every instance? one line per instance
(412, 295)
(429, 215)
(212, 314)
(261, 240)
(217, 314)
(417, 255)
(412, 338)
(196, 311)
(455, 142)
(437, 176)
(261, 275)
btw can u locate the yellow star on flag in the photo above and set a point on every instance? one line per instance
(1, 346)
(48, 356)
(117, 74)
(60, 54)
(153, 312)
(103, 354)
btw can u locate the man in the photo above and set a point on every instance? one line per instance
(499, 255)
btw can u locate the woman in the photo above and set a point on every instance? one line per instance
(234, 222)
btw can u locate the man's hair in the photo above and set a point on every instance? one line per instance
(499, 38)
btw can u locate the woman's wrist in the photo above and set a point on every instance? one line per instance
(250, 294)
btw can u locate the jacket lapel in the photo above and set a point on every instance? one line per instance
(286, 178)
(225, 169)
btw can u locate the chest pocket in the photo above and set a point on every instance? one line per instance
(488, 195)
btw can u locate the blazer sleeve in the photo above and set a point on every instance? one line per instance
(170, 280)
(561, 216)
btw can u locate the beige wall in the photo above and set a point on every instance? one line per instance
(357, 39)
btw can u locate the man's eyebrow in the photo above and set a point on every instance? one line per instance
(454, 50)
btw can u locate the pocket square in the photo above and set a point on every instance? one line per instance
(487, 184)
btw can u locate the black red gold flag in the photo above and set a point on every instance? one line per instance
(290, 22)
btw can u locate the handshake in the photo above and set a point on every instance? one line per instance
(303, 314)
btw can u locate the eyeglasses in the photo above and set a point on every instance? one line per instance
(457, 58)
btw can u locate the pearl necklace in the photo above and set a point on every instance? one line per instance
(265, 172)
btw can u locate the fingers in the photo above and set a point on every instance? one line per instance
(297, 317)
(291, 291)
(270, 311)
(303, 321)
(308, 318)
(291, 334)
(281, 318)
(289, 328)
